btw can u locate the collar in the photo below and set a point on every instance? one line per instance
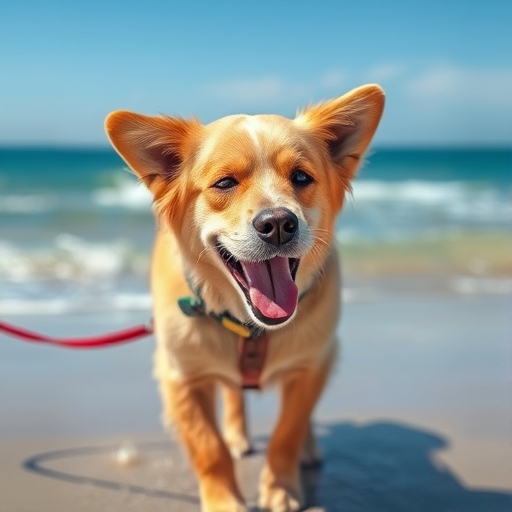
(195, 306)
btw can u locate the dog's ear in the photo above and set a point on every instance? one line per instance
(346, 125)
(153, 147)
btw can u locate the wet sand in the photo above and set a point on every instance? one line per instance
(416, 416)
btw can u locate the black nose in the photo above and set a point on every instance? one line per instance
(276, 226)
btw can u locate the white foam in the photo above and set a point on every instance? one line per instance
(45, 306)
(87, 302)
(71, 258)
(94, 260)
(410, 191)
(125, 193)
(458, 200)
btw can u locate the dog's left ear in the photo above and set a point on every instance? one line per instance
(346, 125)
(155, 148)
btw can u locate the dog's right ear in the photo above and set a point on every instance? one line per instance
(153, 147)
(346, 125)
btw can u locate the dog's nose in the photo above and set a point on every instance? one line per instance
(276, 226)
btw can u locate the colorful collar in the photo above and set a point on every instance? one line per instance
(195, 306)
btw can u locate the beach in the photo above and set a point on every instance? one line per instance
(416, 416)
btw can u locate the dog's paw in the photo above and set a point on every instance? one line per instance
(224, 506)
(239, 446)
(279, 494)
(217, 498)
(279, 499)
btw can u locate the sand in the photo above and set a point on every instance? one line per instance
(415, 418)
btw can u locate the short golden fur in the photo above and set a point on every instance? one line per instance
(210, 184)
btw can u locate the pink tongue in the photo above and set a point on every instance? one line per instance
(271, 287)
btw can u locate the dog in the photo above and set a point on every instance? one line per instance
(245, 277)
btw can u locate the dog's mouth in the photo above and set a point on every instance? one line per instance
(268, 285)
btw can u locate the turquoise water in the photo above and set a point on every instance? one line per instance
(75, 225)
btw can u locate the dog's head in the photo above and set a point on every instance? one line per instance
(253, 197)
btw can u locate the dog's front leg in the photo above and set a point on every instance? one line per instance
(235, 422)
(192, 407)
(280, 489)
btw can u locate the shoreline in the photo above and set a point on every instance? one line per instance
(358, 287)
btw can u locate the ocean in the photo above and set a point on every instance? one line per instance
(76, 228)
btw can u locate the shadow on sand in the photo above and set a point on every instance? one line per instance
(389, 467)
(378, 467)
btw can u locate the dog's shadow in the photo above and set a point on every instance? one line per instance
(377, 467)
(391, 467)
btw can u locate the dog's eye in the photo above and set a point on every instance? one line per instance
(301, 179)
(225, 184)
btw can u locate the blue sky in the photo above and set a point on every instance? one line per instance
(446, 66)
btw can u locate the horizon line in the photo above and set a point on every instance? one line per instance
(378, 147)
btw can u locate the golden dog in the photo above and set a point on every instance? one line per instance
(245, 274)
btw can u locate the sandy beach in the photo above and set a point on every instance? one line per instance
(416, 416)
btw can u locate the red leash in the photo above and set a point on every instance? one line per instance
(113, 338)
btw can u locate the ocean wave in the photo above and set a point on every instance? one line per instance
(409, 191)
(71, 258)
(73, 275)
(457, 200)
(125, 193)
(86, 304)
